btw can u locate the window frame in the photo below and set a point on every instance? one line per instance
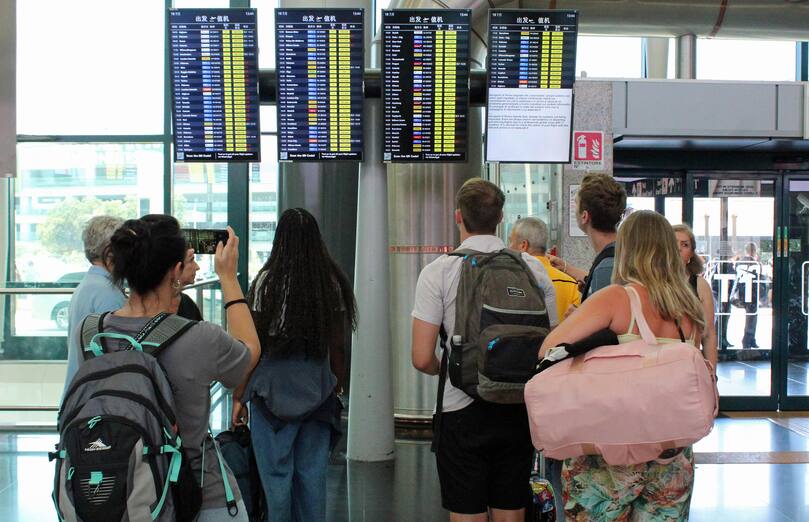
(238, 183)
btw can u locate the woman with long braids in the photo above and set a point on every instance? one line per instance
(302, 304)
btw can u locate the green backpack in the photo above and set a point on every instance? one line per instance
(501, 319)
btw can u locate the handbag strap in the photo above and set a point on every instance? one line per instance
(637, 314)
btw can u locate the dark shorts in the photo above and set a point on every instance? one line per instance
(484, 458)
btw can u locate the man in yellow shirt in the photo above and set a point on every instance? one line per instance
(530, 235)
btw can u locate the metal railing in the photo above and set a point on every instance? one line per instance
(199, 288)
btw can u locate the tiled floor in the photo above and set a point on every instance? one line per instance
(752, 378)
(407, 488)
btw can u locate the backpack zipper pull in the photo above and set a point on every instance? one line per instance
(92, 422)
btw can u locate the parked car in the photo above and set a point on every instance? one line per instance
(54, 307)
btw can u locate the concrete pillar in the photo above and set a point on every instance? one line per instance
(370, 420)
(655, 57)
(686, 57)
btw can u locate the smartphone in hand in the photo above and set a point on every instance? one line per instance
(204, 240)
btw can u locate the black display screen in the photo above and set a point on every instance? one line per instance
(214, 83)
(425, 84)
(532, 68)
(319, 56)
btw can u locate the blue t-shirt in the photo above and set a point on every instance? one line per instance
(602, 275)
(95, 294)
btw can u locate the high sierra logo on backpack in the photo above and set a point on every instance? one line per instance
(119, 456)
(501, 319)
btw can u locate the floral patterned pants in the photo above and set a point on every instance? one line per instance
(596, 491)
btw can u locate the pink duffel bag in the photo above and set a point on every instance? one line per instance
(628, 402)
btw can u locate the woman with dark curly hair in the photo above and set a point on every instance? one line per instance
(303, 305)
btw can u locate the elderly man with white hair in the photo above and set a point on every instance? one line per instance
(96, 293)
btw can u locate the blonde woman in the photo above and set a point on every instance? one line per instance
(647, 262)
(694, 266)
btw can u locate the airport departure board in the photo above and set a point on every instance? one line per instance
(425, 84)
(214, 81)
(319, 57)
(532, 68)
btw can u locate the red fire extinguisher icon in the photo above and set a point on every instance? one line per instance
(581, 145)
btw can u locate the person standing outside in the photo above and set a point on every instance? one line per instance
(96, 293)
(600, 206)
(750, 269)
(484, 455)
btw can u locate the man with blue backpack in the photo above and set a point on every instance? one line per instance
(488, 306)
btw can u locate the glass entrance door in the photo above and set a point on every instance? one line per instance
(734, 220)
(793, 251)
(658, 191)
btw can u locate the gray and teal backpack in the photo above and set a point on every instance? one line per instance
(119, 457)
(501, 319)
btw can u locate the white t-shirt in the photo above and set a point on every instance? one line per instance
(438, 287)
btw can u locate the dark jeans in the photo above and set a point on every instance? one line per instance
(750, 322)
(722, 324)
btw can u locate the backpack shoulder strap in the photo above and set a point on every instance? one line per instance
(443, 369)
(604, 254)
(463, 252)
(92, 325)
(166, 329)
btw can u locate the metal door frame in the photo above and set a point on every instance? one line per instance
(786, 402)
(659, 174)
(743, 402)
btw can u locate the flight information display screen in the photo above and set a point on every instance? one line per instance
(532, 68)
(319, 57)
(214, 83)
(425, 84)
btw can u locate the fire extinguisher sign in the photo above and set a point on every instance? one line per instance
(588, 150)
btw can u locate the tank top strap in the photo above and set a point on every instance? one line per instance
(637, 317)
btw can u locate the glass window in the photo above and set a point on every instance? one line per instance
(263, 205)
(609, 56)
(90, 67)
(266, 33)
(269, 120)
(745, 60)
(528, 190)
(200, 201)
(60, 186)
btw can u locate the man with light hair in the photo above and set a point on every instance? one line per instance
(96, 293)
(530, 235)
